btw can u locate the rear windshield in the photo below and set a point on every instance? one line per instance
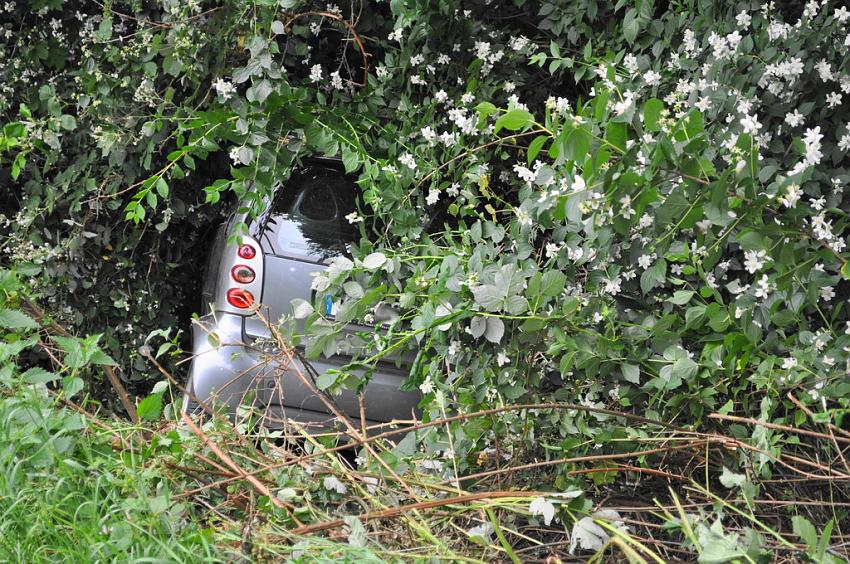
(307, 217)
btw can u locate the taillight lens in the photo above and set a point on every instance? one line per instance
(237, 297)
(242, 274)
(247, 252)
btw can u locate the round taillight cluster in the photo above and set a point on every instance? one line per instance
(242, 274)
(242, 299)
(247, 251)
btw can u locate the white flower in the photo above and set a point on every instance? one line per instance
(789, 363)
(743, 19)
(651, 78)
(354, 217)
(764, 288)
(224, 88)
(523, 218)
(525, 173)
(433, 196)
(468, 98)
(811, 140)
(552, 250)
(395, 35)
(631, 63)
(441, 96)
(612, 286)
(703, 104)
(750, 124)
(833, 99)
(407, 160)
(509, 87)
(336, 80)
(427, 386)
(645, 261)
(792, 197)
(453, 190)
(333, 484)
(841, 14)
(428, 133)
(381, 71)
(844, 142)
(541, 506)
(234, 156)
(626, 203)
(316, 73)
(794, 118)
(754, 260)
(827, 293)
(502, 359)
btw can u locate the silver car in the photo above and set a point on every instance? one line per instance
(302, 229)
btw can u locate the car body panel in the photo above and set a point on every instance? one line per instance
(230, 364)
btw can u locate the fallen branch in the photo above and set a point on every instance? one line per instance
(258, 485)
(395, 511)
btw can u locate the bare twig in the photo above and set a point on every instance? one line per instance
(258, 485)
(395, 511)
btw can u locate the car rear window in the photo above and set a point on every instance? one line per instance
(307, 216)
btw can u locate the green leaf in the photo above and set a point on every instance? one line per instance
(805, 530)
(631, 373)
(374, 260)
(732, 480)
(514, 120)
(485, 109)
(495, 330)
(651, 113)
(631, 25)
(38, 375)
(653, 276)
(553, 283)
(681, 297)
(101, 358)
(617, 134)
(67, 122)
(350, 159)
(535, 146)
(326, 380)
(150, 408)
(14, 319)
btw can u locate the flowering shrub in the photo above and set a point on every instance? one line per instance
(621, 207)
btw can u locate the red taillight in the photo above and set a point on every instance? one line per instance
(242, 274)
(247, 252)
(237, 297)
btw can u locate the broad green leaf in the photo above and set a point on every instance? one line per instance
(374, 260)
(150, 408)
(38, 375)
(617, 134)
(553, 283)
(681, 297)
(514, 120)
(651, 113)
(535, 146)
(805, 530)
(495, 330)
(14, 319)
